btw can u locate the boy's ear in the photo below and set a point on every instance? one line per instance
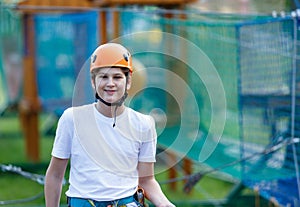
(93, 83)
(129, 81)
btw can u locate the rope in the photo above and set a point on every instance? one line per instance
(40, 179)
(24, 200)
(194, 178)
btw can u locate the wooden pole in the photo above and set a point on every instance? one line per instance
(172, 171)
(29, 106)
(187, 166)
(181, 70)
(187, 163)
(103, 27)
(115, 17)
(257, 199)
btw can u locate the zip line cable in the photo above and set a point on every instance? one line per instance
(24, 200)
(40, 179)
(193, 179)
(34, 177)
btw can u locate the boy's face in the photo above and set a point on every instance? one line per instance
(110, 84)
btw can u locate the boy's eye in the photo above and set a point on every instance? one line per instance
(102, 76)
(117, 77)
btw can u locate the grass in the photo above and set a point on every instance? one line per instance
(12, 151)
(13, 186)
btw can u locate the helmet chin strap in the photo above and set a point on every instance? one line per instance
(117, 103)
(120, 101)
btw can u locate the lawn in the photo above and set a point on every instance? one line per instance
(14, 187)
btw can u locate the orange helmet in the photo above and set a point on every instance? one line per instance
(111, 55)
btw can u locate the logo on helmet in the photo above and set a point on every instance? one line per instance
(126, 57)
(93, 58)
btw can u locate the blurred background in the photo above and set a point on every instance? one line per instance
(219, 77)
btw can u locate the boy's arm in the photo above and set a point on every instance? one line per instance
(151, 187)
(53, 181)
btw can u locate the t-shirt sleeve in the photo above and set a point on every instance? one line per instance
(63, 138)
(148, 146)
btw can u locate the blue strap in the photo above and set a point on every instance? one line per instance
(82, 202)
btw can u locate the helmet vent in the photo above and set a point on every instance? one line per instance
(126, 57)
(94, 58)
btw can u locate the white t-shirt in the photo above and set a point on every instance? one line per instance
(91, 175)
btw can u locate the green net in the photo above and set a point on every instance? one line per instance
(3, 97)
(10, 57)
(204, 54)
(252, 60)
(64, 43)
(220, 87)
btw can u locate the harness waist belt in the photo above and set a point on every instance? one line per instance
(74, 202)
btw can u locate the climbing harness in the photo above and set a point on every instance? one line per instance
(115, 203)
(138, 198)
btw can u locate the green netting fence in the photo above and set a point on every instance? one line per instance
(64, 43)
(256, 62)
(221, 87)
(10, 57)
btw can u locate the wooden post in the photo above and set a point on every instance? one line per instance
(29, 106)
(103, 26)
(187, 166)
(181, 70)
(172, 171)
(187, 163)
(115, 17)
